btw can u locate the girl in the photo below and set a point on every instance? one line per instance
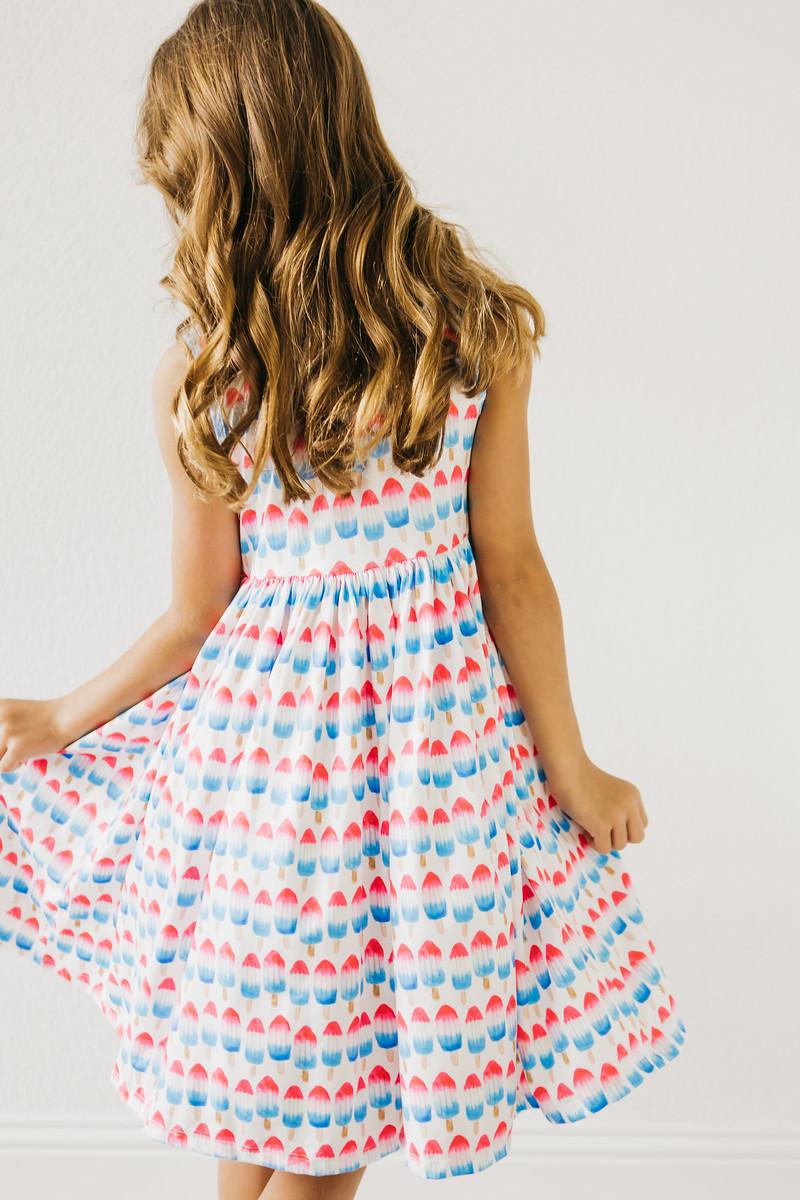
(300, 842)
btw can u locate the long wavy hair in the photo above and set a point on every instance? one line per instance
(339, 309)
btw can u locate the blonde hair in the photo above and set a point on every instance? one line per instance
(310, 268)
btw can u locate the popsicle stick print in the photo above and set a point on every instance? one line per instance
(354, 679)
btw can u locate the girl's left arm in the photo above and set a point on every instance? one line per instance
(206, 573)
(523, 613)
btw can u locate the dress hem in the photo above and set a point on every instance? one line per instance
(453, 1165)
(674, 1040)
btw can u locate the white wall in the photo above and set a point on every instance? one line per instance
(637, 166)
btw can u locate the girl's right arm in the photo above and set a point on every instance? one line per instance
(206, 573)
(523, 612)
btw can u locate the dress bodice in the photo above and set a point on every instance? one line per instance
(390, 516)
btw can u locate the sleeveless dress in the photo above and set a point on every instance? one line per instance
(318, 883)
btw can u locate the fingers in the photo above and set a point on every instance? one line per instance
(624, 829)
(601, 841)
(10, 757)
(635, 828)
(619, 835)
(7, 763)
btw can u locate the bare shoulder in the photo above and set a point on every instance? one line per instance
(511, 387)
(168, 376)
(504, 416)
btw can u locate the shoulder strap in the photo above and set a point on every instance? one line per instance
(189, 333)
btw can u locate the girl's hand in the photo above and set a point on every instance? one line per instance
(29, 728)
(609, 809)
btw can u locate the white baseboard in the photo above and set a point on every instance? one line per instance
(49, 1155)
(99, 1133)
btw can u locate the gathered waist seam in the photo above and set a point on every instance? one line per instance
(400, 565)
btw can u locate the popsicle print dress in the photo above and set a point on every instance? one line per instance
(318, 883)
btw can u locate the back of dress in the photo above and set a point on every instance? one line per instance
(390, 516)
(318, 883)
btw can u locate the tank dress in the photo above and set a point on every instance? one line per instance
(318, 883)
